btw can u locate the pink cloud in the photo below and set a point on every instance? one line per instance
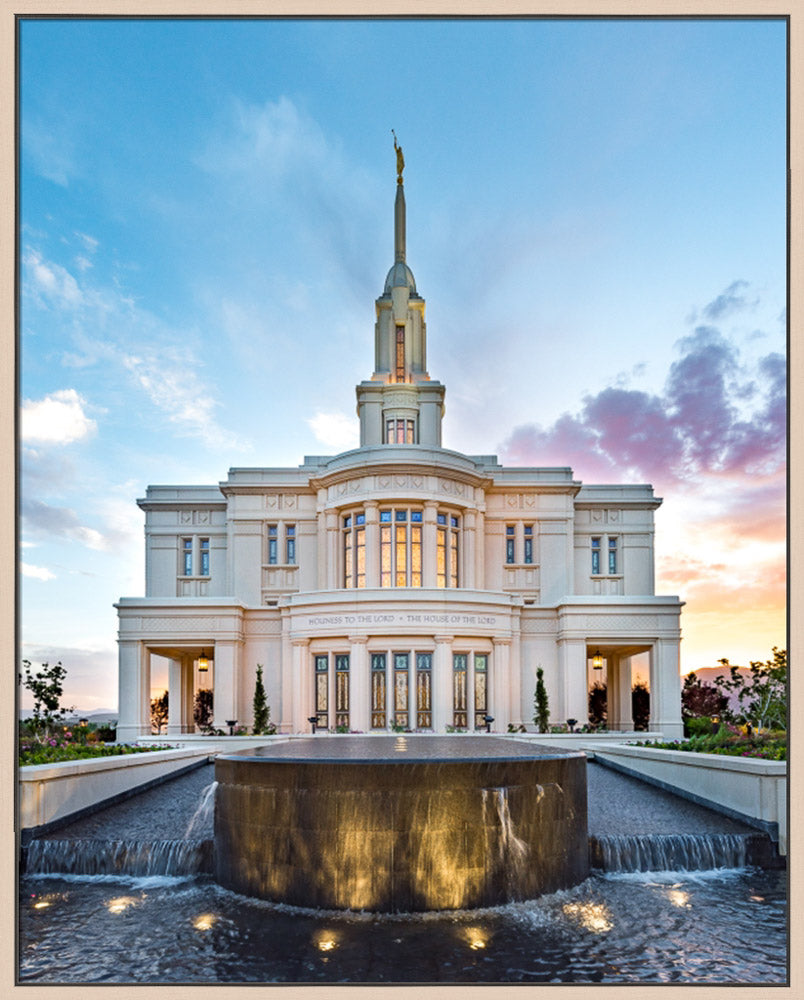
(699, 428)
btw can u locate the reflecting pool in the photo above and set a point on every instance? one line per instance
(721, 926)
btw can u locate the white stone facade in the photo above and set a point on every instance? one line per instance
(400, 583)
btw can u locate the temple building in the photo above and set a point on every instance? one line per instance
(400, 584)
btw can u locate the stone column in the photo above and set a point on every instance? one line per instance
(321, 568)
(573, 686)
(412, 689)
(665, 689)
(333, 533)
(429, 542)
(175, 696)
(188, 694)
(134, 688)
(619, 685)
(504, 694)
(466, 554)
(480, 550)
(359, 704)
(303, 705)
(286, 712)
(442, 683)
(225, 683)
(372, 545)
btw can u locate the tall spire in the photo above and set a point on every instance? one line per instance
(399, 204)
(400, 404)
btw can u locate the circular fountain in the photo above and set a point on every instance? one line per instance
(401, 823)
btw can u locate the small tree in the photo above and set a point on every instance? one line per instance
(47, 687)
(159, 713)
(262, 710)
(202, 709)
(598, 704)
(762, 694)
(541, 715)
(702, 700)
(640, 705)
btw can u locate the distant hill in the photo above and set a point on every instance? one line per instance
(100, 715)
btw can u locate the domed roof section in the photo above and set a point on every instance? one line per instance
(400, 276)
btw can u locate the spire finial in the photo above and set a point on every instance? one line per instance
(400, 159)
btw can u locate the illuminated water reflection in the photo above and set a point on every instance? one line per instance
(703, 927)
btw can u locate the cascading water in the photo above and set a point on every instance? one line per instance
(205, 810)
(119, 857)
(512, 851)
(671, 852)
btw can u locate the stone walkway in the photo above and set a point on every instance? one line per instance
(618, 804)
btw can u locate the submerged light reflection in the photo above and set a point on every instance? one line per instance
(595, 917)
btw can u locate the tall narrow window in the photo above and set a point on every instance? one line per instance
(441, 551)
(400, 353)
(612, 556)
(415, 548)
(401, 716)
(528, 543)
(401, 547)
(447, 532)
(342, 689)
(595, 556)
(453, 551)
(348, 553)
(378, 713)
(481, 689)
(322, 691)
(354, 550)
(510, 551)
(272, 550)
(424, 690)
(459, 708)
(187, 556)
(399, 430)
(204, 556)
(290, 544)
(385, 548)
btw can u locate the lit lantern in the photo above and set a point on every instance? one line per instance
(597, 660)
(203, 662)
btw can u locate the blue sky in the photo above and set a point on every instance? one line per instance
(596, 218)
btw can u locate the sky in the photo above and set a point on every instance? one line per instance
(596, 217)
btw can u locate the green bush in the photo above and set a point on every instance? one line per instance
(701, 726)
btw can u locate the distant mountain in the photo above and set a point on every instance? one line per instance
(99, 715)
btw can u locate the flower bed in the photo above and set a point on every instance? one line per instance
(53, 751)
(730, 742)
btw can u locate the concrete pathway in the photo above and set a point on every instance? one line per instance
(618, 804)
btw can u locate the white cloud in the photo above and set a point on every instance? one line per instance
(179, 393)
(36, 572)
(57, 419)
(52, 281)
(335, 430)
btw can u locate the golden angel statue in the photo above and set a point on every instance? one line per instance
(400, 159)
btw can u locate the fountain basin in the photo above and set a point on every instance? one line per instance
(399, 824)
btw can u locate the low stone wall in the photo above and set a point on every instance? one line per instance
(745, 788)
(52, 794)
